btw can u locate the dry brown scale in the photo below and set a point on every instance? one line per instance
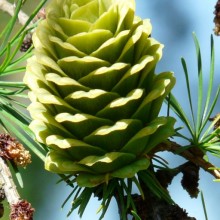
(217, 18)
(27, 42)
(11, 149)
(22, 211)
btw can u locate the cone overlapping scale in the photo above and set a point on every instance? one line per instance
(95, 97)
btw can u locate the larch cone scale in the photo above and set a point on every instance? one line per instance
(95, 97)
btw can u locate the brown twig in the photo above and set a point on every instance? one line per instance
(195, 156)
(20, 209)
(7, 183)
(12, 150)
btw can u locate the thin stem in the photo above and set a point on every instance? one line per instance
(189, 155)
(8, 184)
(10, 9)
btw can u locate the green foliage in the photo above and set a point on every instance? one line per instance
(204, 206)
(202, 132)
(13, 95)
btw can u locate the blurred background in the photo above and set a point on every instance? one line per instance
(173, 23)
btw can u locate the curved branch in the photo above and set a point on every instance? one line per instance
(189, 154)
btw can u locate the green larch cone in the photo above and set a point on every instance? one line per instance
(95, 97)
